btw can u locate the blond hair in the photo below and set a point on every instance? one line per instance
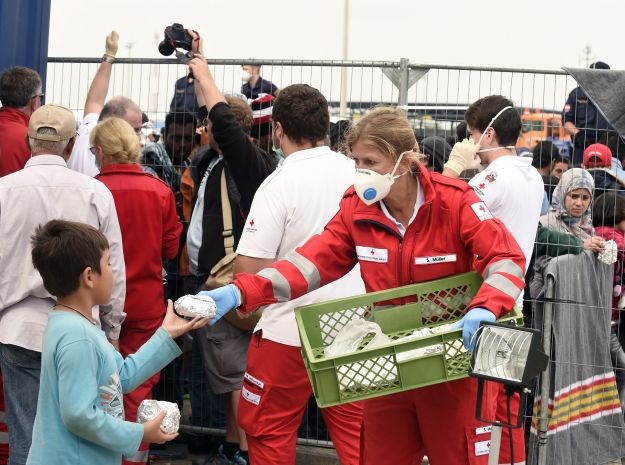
(117, 139)
(386, 129)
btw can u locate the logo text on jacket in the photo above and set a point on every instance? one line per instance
(371, 254)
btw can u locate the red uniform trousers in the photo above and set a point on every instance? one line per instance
(133, 335)
(437, 421)
(4, 436)
(275, 392)
(518, 434)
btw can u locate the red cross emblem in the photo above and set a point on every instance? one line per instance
(372, 252)
(252, 223)
(482, 209)
(482, 186)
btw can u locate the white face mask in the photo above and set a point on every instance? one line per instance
(486, 130)
(371, 186)
(245, 76)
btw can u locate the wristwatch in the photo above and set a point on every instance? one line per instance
(108, 58)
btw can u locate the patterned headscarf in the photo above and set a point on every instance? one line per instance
(575, 178)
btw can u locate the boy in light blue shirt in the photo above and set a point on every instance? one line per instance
(80, 413)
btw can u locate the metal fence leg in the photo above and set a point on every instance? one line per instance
(403, 82)
(545, 380)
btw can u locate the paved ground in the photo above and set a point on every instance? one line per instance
(306, 455)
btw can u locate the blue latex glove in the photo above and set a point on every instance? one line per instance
(471, 322)
(227, 298)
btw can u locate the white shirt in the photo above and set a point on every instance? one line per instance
(402, 229)
(295, 202)
(44, 190)
(513, 191)
(194, 231)
(81, 159)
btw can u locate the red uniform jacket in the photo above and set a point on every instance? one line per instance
(452, 233)
(150, 232)
(14, 152)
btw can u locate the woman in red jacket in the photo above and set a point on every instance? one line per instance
(403, 225)
(150, 232)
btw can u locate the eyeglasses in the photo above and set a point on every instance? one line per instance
(92, 150)
(584, 197)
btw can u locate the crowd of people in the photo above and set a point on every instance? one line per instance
(258, 201)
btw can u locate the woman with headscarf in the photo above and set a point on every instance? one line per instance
(570, 205)
(570, 213)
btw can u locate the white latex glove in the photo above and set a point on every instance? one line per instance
(463, 156)
(621, 302)
(112, 44)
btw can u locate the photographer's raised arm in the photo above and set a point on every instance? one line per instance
(100, 83)
(206, 90)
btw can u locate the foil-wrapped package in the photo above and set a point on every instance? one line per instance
(149, 408)
(609, 253)
(190, 306)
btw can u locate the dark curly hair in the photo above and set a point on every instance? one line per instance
(302, 111)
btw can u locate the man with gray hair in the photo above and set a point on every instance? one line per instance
(44, 190)
(82, 159)
(20, 94)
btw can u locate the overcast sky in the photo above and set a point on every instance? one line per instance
(522, 33)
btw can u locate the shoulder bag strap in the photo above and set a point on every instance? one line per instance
(226, 213)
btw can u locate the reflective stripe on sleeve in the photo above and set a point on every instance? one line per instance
(504, 266)
(307, 268)
(503, 284)
(281, 287)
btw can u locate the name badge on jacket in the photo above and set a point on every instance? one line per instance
(435, 259)
(371, 254)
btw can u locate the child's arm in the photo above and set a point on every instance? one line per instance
(91, 411)
(94, 412)
(157, 352)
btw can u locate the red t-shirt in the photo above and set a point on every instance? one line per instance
(14, 152)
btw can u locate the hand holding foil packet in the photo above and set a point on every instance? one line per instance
(150, 408)
(609, 254)
(190, 306)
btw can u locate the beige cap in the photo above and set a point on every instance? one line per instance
(57, 117)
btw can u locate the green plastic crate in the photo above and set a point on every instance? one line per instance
(393, 367)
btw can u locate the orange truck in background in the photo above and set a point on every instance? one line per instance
(537, 126)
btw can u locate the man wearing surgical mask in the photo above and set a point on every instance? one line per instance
(253, 84)
(513, 191)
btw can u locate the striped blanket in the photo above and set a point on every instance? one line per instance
(585, 418)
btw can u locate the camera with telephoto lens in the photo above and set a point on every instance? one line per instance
(176, 36)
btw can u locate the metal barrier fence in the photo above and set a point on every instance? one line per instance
(434, 97)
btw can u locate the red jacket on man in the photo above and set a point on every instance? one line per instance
(452, 233)
(150, 232)
(14, 152)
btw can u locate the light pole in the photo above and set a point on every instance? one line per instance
(129, 46)
(343, 106)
